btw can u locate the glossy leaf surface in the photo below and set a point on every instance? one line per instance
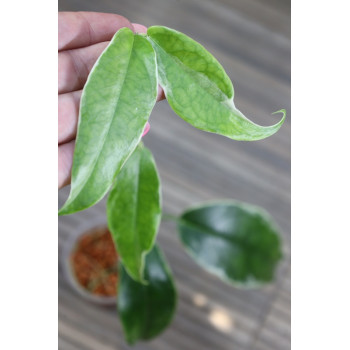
(134, 210)
(237, 242)
(198, 89)
(146, 310)
(116, 102)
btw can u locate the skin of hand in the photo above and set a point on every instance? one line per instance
(82, 36)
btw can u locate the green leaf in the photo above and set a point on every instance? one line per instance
(146, 310)
(134, 210)
(117, 100)
(198, 89)
(237, 242)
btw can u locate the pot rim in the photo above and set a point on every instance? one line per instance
(67, 249)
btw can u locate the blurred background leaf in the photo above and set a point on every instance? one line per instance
(237, 242)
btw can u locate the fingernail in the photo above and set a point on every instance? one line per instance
(146, 129)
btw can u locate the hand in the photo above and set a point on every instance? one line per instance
(82, 36)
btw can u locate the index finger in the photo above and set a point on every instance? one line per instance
(79, 29)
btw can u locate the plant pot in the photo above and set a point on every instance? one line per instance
(90, 263)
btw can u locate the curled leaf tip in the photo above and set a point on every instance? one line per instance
(199, 90)
(283, 111)
(279, 124)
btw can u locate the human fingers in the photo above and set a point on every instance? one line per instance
(74, 66)
(68, 112)
(65, 161)
(80, 29)
(139, 28)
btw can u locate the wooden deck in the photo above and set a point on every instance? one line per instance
(251, 38)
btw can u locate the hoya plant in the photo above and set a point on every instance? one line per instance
(237, 242)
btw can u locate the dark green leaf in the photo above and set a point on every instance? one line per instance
(237, 242)
(134, 210)
(198, 89)
(117, 100)
(146, 310)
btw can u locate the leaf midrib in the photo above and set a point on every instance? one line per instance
(188, 71)
(109, 127)
(230, 239)
(135, 217)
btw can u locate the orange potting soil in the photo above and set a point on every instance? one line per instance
(95, 262)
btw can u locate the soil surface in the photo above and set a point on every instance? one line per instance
(95, 262)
